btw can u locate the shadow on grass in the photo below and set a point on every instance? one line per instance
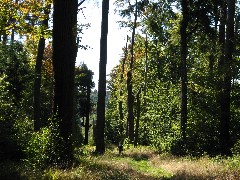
(105, 171)
(138, 156)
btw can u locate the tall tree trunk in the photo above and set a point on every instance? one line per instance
(87, 126)
(138, 118)
(226, 85)
(145, 84)
(64, 56)
(130, 118)
(12, 36)
(183, 33)
(120, 108)
(222, 31)
(146, 70)
(222, 37)
(38, 77)
(13, 20)
(5, 37)
(100, 144)
(37, 85)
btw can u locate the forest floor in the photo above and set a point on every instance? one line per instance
(139, 163)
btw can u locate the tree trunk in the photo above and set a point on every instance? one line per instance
(12, 36)
(64, 56)
(183, 33)
(38, 77)
(5, 37)
(120, 108)
(87, 126)
(130, 118)
(13, 20)
(37, 85)
(100, 144)
(226, 85)
(222, 37)
(146, 70)
(138, 117)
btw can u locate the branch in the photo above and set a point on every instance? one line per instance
(79, 4)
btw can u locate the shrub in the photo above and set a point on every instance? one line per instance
(41, 148)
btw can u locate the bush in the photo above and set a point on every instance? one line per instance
(236, 148)
(41, 148)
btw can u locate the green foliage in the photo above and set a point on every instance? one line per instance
(7, 143)
(5, 98)
(47, 85)
(84, 106)
(17, 71)
(83, 80)
(113, 124)
(15, 96)
(160, 104)
(18, 141)
(236, 148)
(42, 148)
(24, 17)
(163, 123)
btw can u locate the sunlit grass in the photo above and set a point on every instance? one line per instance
(198, 168)
(135, 163)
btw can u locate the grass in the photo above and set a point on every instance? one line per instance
(135, 163)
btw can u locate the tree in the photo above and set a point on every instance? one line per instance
(138, 109)
(64, 56)
(145, 73)
(225, 100)
(120, 103)
(38, 69)
(183, 34)
(100, 144)
(15, 95)
(130, 118)
(208, 75)
(84, 83)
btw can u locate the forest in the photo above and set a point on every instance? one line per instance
(170, 108)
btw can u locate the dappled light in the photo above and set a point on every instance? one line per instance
(169, 108)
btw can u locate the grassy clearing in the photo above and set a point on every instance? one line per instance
(201, 168)
(135, 163)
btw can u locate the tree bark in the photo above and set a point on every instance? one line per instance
(100, 126)
(226, 85)
(130, 118)
(64, 56)
(184, 50)
(146, 70)
(138, 118)
(37, 85)
(87, 126)
(120, 108)
(38, 77)
(222, 31)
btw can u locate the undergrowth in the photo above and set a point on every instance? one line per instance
(134, 163)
